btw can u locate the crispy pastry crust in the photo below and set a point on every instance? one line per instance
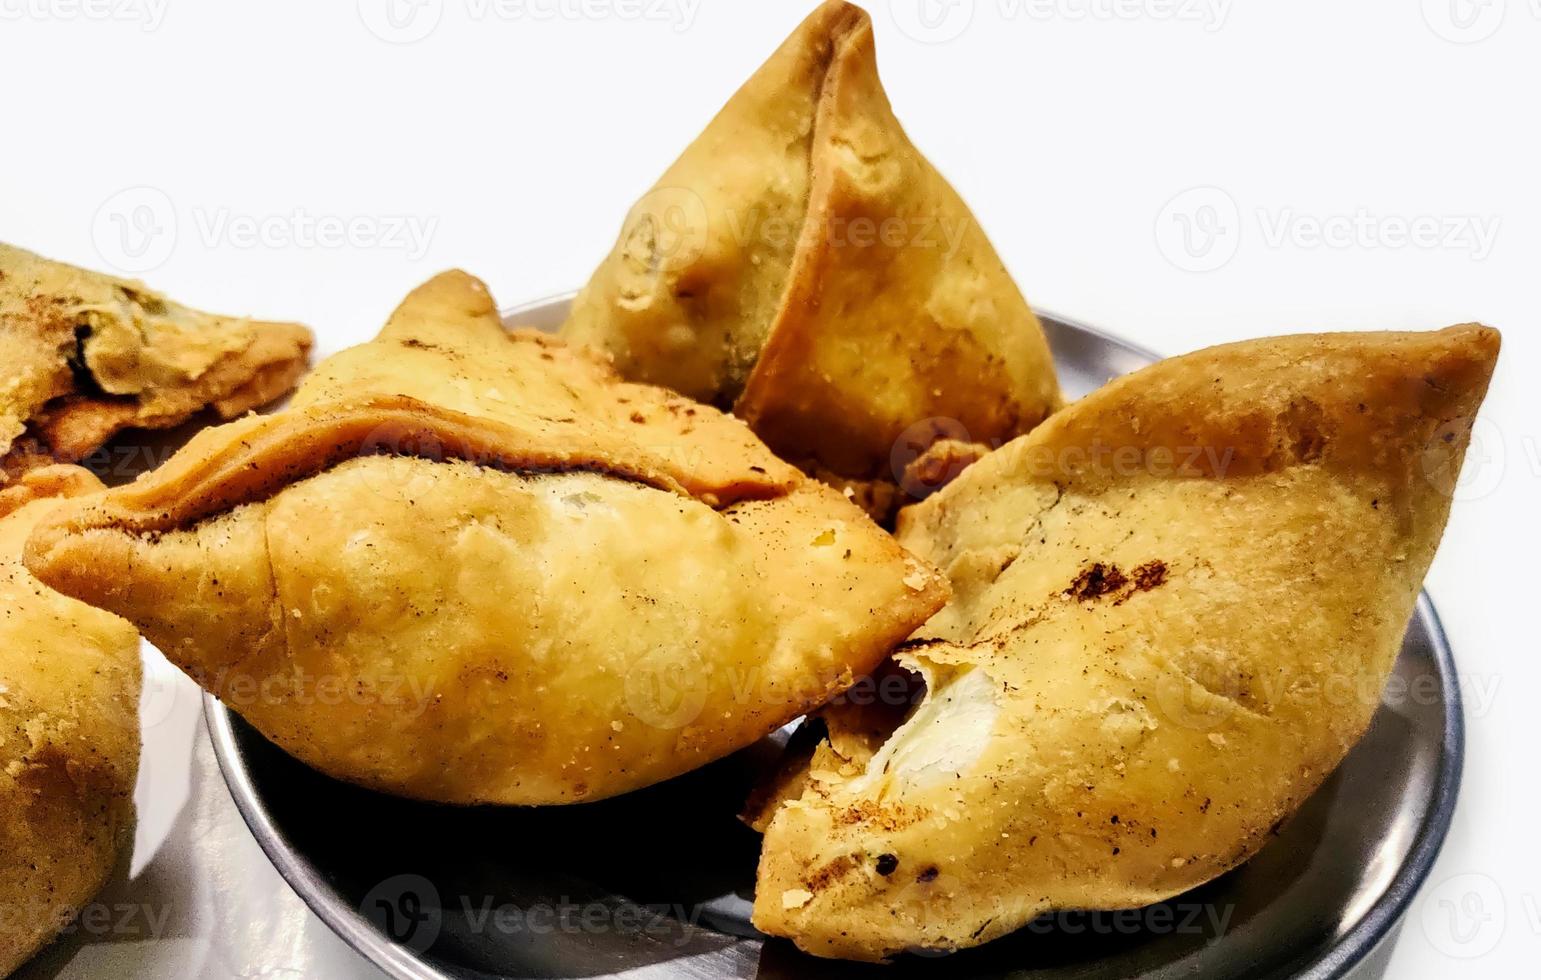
(88, 355)
(69, 733)
(1175, 607)
(803, 263)
(521, 579)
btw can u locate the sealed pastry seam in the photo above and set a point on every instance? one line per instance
(274, 452)
(849, 86)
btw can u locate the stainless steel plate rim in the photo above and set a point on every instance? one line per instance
(1362, 940)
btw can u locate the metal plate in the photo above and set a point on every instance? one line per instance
(657, 884)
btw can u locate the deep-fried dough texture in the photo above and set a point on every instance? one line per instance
(1176, 604)
(803, 262)
(471, 566)
(849, 731)
(69, 734)
(87, 355)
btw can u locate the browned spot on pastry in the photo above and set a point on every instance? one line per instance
(1150, 575)
(930, 874)
(1302, 421)
(887, 864)
(1102, 580)
(833, 871)
(1097, 581)
(879, 817)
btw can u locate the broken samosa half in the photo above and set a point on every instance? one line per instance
(805, 265)
(1175, 606)
(69, 733)
(87, 355)
(473, 566)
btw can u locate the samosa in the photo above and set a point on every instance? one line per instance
(473, 566)
(69, 733)
(1175, 607)
(87, 355)
(804, 265)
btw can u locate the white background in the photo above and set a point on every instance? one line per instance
(157, 136)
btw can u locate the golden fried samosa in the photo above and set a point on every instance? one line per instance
(473, 566)
(69, 733)
(805, 265)
(1175, 606)
(87, 355)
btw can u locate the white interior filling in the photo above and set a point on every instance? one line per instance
(944, 737)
